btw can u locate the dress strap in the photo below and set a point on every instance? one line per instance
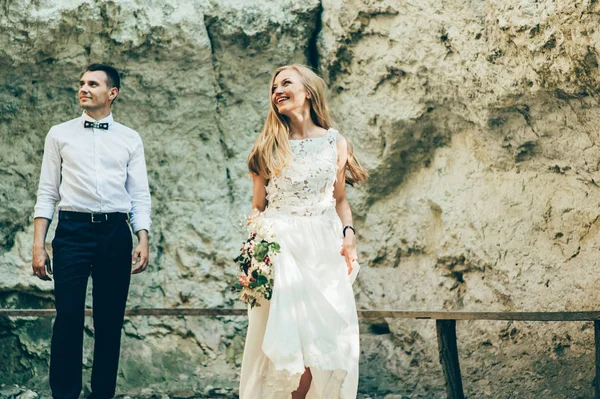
(332, 137)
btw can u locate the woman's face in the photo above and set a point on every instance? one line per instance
(288, 92)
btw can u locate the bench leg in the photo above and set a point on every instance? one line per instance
(597, 341)
(446, 336)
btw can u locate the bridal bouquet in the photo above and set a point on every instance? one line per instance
(255, 263)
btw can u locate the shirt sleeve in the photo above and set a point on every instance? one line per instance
(48, 189)
(138, 190)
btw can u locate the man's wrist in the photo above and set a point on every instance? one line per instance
(142, 235)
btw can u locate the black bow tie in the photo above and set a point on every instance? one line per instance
(95, 125)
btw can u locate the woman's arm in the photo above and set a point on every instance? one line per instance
(342, 205)
(259, 196)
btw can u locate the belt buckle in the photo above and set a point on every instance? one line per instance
(100, 220)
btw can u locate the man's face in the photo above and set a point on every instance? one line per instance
(94, 92)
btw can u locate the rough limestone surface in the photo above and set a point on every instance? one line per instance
(477, 119)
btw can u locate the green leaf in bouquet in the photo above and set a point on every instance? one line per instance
(262, 280)
(260, 251)
(244, 267)
(254, 304)
(275, 247)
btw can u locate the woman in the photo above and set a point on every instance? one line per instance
(303, 343)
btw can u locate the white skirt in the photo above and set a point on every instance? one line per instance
(311, 320)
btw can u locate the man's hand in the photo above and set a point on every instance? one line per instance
(41, 263)
(141, 253)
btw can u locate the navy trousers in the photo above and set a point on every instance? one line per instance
(81, 250)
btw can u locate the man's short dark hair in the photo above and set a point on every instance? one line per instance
(113, 79)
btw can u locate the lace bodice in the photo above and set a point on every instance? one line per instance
(305, 186)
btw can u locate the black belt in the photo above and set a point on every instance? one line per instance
(92, 217)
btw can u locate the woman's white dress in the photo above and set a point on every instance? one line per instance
(311, 320)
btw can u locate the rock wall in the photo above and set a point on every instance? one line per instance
(477, 119)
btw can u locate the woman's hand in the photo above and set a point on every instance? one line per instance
(349, 249)
(254, 213)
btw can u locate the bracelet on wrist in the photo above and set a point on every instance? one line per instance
(346, 228)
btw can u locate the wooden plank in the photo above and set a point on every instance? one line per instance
(366, 314)
(448, 350)
(187, 312)
(522, 316)
(133, 312)
(597, 341)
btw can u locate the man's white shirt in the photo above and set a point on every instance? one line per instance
(95, 171)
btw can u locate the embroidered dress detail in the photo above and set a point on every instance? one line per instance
(305, 188)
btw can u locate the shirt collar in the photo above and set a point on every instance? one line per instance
(109, 119)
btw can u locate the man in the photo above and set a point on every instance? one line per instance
(94, 168)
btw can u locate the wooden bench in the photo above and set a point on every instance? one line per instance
(445, 327)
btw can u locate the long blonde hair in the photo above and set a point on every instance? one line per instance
(271, 150)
